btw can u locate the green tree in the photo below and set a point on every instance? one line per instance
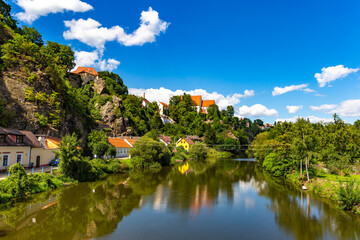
(198, 151)
(33, 35)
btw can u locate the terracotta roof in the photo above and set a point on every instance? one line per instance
(85, 70)
(119, 143)
(131, 141)
(164, 104)
(203, 111)
(196, 100)
(52, 143)
(145, 100)
(207, 103)
(188, 140)
(166, 139)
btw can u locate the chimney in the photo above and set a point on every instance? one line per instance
(144, 95)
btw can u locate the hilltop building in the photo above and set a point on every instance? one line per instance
(200, 104)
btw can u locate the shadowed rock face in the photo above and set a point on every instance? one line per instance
(99, 85)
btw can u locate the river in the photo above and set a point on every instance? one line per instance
(227, 199)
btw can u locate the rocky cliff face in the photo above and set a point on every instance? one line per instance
(26, 115)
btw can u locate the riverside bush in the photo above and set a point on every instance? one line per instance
(349, 195)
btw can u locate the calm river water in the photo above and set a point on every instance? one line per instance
(229, 199)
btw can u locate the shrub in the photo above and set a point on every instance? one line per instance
(147, 151)
(349, 195)
(278, 166)
(43, 121)
(29, 94)
(198, 151)
(41, 97)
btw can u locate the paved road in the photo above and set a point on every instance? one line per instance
(4, 175)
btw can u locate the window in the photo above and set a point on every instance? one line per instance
(2, 138)
(5, 160)
(19, 139)
(19, 158)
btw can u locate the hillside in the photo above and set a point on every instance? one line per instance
(38, 93)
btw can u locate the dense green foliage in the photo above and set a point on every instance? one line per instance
(148, 152)
(19, 184)
(198, 151)
(348, 195)
(300, 146)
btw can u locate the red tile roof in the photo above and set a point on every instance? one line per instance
(166, 139)
(196, 100)
(119, 143)
(189, 141)
(29, 138)
(207, 103)
(85, 70)
(164, 104)
(203, 111)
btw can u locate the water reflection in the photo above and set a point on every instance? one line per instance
(224, 199)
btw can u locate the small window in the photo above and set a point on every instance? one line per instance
(19, 139)
(19, 158)
(2, 138)
(5, 160)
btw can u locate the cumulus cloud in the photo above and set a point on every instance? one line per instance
(312, 119)
(294, 109)
(330, 74)
(92, 33)
(256, 110)
(163, 95)
(94, 59)
(33, 9)
(348, 108)
(282, 90)
(324, 107)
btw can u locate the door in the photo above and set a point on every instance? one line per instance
(37, 161)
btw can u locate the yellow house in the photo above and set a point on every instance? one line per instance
(23, 147)
(185, 143)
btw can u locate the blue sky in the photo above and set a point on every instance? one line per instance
(236, 52)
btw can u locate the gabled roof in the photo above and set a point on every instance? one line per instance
(196, 100)
(119, 143)
(188, 140)
(207, 103)
(166, 139)
(203, 111)
(10, 139)
(131, 141)
(86, 70)
(164, 104)
(145, 100)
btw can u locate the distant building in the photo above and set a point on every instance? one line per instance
(194, 138)
(163, 108)
(86, 74)
(185, 143)
(122, 146)
(206, 104)
(25, 148)
(200, 104)
(144, 102)
(165, 139)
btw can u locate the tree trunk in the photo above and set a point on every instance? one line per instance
(301, 168)
(307, 168)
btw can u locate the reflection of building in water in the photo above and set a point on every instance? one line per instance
(202, 199)
(161, 197)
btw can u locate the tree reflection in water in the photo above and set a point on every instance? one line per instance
(90, 210)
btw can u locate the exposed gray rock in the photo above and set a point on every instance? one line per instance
(117, 101)
(107, 112)
(99, 85)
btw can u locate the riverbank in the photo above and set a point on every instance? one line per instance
(327, 186)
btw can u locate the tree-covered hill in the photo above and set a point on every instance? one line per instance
(38, 93)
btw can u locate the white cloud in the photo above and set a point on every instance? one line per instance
(330, 74)
(163, 94)
(33, 9)
(256, 110)
(312, 119)
(93, 34)
(348, 108)
(323, 107)
(94, 59)
(280, 90)
(294, 109)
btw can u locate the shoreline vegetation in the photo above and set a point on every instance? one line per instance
(322, 158)
(147, 153)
